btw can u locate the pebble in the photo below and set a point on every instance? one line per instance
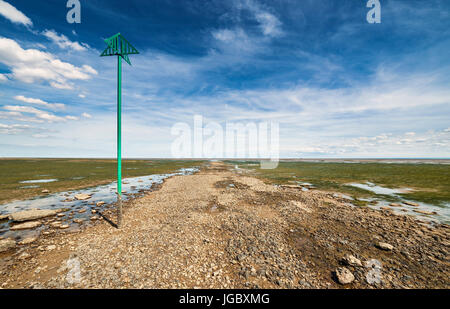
(410, 203)
(344, 276)
(384, 246)
(55, 224)
(82, 196)
(6, 244)
(26, 225)
(395, 205)
(24, 255)
(28, 240)
(424, 212)
(350, 260)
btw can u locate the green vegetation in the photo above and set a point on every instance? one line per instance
(431, 182)
(74, 173)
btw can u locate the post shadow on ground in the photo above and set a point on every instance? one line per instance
(108, 220)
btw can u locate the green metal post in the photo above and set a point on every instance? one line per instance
(119, 139)
(120, 47)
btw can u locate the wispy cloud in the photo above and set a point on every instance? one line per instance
(14, 15)
(13, 129)
(40, 102)
(63, 42)
(40, 114)
(270, 25)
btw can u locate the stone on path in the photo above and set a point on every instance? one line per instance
(33, 214)
(82, 196)
(410, 203)
(26, 225)
(395, 205)
(349, 259)
(56, 224)
(6, 244)
(28, 240)
(344, 276)
(384, 246)
(424, 212)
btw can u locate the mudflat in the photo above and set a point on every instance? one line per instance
(222, 229)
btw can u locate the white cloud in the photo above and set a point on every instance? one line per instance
(63, 85)
(39, 102)
(237, 42)
(39, 114)
(32, 65)
(83, 96)
(3, 78)
(63, 42)
(90, 70)
(270, 25)
(235, 46)
(16, 116)
(14, 15)
(226, 35)
(86, 115)
(19, 126)
(31, 110)
(40, 135)
(390, 143)
(13, 129)
(72, 118)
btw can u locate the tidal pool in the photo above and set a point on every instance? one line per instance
(39, 181)
(82, 209)
(442, 213)
(378, 189)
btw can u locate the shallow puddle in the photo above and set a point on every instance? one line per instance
(442, 214)
(82, 209)
(29, 187)
(378, 189)
(39, 181)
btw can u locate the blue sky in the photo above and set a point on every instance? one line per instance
(337, 85)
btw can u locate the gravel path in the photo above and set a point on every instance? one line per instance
(219, 229)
